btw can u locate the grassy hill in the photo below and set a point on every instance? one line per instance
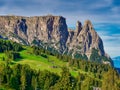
(51, 63)
(62, 68)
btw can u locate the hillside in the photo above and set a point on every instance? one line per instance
(50, 62)
(31, 67)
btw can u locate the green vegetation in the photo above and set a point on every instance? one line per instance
(7, 46)
(95, 57)
(35, 68)
(79, 56)
(12, 55)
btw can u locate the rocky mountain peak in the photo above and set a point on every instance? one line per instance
(90, 39)
(84, 40)
(88, 23)
(78, 27)
(88, 26)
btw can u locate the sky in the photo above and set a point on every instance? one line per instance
(104, 14)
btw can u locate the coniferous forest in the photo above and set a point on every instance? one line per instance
(16, 76)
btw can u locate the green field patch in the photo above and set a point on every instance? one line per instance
(38, 62)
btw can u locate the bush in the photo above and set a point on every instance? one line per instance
(12, 55)
(43, 55)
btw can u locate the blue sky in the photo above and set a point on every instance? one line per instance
(104, 14)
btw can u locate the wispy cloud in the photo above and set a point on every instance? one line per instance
(111, 45)
(115, 9)
(110, 34)
(77, 8)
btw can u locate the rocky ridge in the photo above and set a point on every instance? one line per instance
(52, 31)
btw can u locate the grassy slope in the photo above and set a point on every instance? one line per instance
(1, 56)
(39, 62)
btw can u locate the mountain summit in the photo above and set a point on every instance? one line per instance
(52, 32)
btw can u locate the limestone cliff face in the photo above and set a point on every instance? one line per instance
(84, 39)
(53, 32)
(48, 29)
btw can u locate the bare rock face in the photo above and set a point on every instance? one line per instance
(15, 28)
(53, 32)
(84, 39)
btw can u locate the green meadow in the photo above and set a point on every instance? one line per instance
(51, 63)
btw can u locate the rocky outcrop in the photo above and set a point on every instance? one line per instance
(48, 29)
(53, 32)
(84, 39)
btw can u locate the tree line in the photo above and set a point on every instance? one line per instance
(6, 45)
(22, 77)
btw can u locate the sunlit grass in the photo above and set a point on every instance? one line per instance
(51, 63)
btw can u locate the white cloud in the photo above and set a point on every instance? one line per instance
(113, 51)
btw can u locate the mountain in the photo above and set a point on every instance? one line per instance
(52, 33)
(116, 61)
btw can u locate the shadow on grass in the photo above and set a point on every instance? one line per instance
(18, 59)
(11, 63)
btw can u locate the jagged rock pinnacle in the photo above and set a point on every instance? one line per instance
(78, 27)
